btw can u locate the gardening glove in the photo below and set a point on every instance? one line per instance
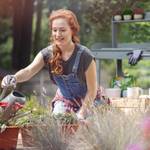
(134, 56)
(8, 80)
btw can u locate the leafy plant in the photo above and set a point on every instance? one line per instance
(67, 118)
(127, 11)
(139, 8)
(31, 112)
(123, 82)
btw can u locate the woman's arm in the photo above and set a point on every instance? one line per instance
(91, 80)
(28, 72)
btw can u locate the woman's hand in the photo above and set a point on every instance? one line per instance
(82, 113)
(8, 80)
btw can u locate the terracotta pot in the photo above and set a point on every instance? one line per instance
(8, 138)
(27, 136)
(69, 129)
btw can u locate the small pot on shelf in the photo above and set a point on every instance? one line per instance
(137, 16)
(127, 14)
(117, 17)
(127, 17)
(138, 13)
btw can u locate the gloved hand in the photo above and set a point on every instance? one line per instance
(134, 56)
(8, 80)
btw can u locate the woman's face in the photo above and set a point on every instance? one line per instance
(61, 32)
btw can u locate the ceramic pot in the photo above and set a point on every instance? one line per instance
(9, 138)
(117, 17)
(127, 17)
(138, 16)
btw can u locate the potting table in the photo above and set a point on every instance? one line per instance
(129, 104)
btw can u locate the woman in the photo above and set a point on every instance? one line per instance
(71, 66)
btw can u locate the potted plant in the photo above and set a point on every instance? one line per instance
(123, 83)
(68, 123)
(127, 13)
(117, 15)
(27, 118)
(8, 132)
(8, 136)
(138, 11)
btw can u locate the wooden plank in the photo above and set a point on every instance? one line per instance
(131, 102)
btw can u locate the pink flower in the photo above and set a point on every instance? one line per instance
(134, 147)
(145, 125)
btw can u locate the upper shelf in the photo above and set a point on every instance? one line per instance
(128, 21)
(118, 53)
(145, 19)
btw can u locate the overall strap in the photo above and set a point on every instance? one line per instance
(77, 60)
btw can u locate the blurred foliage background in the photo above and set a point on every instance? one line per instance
(24, 31)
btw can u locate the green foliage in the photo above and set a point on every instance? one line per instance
(136, 33)
(140, 71)
(140, 5)
(143, 32)
(123, 82)
(31, 112)
(5, 31)
(67, 118)
(5, 56)
(127, 11)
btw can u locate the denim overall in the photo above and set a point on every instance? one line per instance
(70, 87)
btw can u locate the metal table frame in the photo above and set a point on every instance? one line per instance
(118, 53)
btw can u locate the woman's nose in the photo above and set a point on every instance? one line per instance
(58, 33)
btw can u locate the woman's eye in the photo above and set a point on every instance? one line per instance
(63, 30)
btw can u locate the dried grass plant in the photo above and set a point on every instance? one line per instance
(48, 136)
(108, 129)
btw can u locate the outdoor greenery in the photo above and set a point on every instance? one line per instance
(123, 82)
(127, 11)
(31, 112)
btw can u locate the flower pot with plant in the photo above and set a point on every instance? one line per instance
(8, 137)
(68, 123)
(127, 13)
(117, 15)
(123, 83)
(138, 11)
(28, 117)
(9, 107)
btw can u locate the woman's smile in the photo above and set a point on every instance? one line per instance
(61, 32)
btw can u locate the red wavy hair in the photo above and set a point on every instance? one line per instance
(56, 60)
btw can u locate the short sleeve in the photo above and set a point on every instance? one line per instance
(86, 58)
(47, 53)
